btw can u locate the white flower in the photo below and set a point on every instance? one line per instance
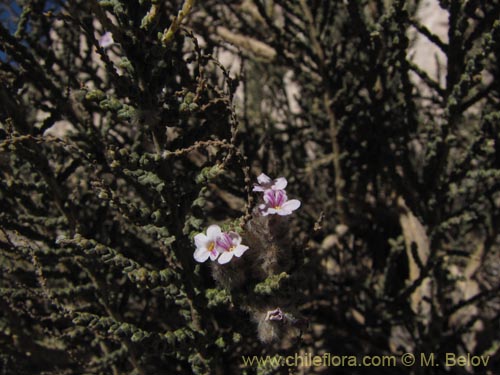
(206, 244)
(265, 183)
(229, 245)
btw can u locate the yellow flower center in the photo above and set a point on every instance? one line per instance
(211, 246)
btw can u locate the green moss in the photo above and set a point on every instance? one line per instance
(271, 284)
(217, 297)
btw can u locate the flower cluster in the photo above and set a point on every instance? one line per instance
(222, 246)
(275, 198)
(218, 244)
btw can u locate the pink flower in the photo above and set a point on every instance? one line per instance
(229, 245)
(275, 314)
(265, 183)
(106, 40)
(276, 202)
(206, 244)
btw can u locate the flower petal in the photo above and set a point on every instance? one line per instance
(235, 238)
(200, 240)
(263, 179)
(291, 205)
(201, 255)
(269, 198)
(213, 232)
(281, 198)
(271, 211)
(213, 254)
(224, 242)
(280, 183)
(239, 250)
(266, 210)
(258, 188)
(225, 257)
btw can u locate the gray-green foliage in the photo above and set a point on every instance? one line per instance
(112, 159)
